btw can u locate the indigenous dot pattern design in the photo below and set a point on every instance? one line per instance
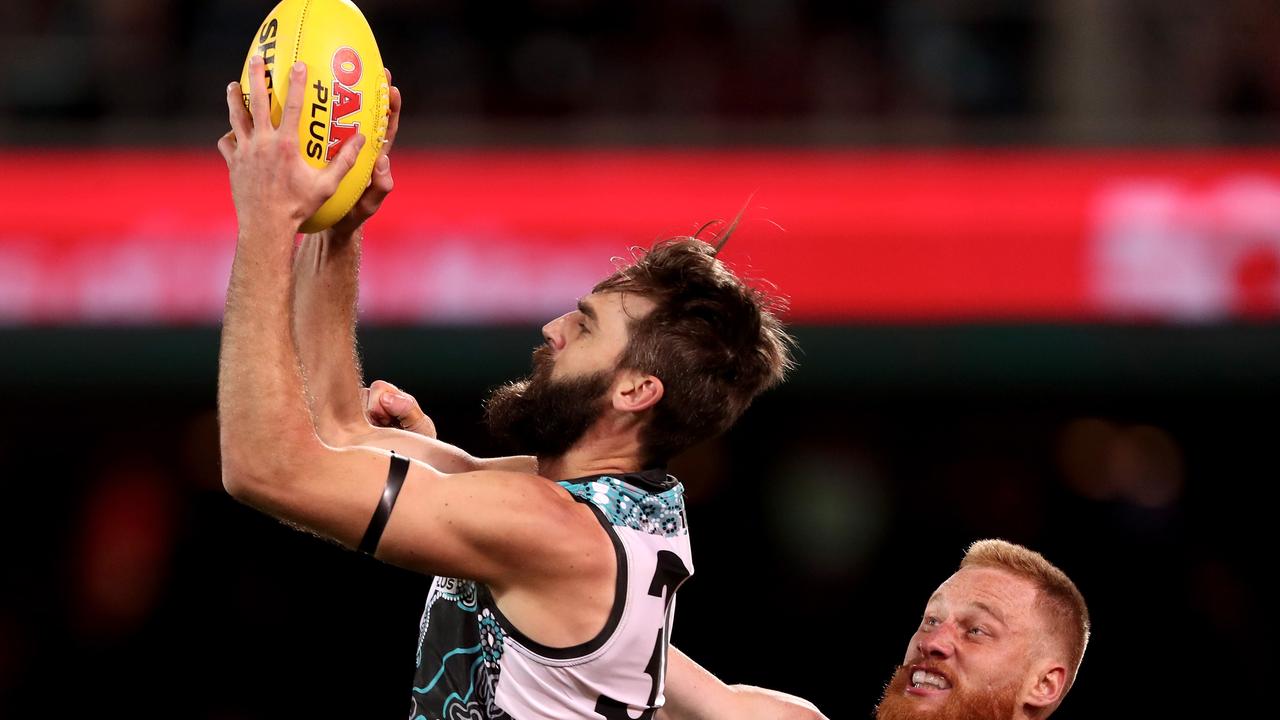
(491, 637)
(627, 506)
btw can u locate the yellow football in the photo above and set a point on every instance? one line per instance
(346, 89)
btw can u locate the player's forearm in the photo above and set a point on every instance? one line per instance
(438, 454)
(264, 424)
(766, 704)
(326, 273)
(693, 693)
(743, 702)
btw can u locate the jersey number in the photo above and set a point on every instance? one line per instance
(667, 577)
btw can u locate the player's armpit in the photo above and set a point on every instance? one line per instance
(499, 528)
(693, 693)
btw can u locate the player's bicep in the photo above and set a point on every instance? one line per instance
(495, 527)
(473, 525)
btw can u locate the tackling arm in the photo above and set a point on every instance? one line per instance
(693, 693)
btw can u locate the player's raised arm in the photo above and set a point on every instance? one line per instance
(326, 274)
(274, 190)
(273, 459)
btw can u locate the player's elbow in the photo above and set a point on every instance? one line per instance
(249, 467)
(241, 476)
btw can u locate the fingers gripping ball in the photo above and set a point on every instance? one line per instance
(346, 94)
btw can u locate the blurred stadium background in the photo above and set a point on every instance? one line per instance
(1033, 255)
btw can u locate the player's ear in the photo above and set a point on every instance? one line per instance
(1047, 687)
(634, 391)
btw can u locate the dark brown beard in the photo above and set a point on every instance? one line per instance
(961, 704)
(544, 417)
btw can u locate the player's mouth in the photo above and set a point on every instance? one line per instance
(927, 682)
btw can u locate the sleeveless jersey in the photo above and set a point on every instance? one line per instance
(473, 664)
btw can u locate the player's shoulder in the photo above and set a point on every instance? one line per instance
(549, 528)
(532, 495)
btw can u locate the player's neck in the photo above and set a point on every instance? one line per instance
(603, 450)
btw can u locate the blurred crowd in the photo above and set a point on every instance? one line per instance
(685, 71)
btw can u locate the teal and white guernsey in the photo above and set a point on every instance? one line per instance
(473, 664)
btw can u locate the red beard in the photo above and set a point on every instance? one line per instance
(960, 704)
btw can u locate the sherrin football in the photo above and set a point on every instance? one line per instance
(346, 89)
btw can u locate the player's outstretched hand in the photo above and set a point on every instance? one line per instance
(273, 187)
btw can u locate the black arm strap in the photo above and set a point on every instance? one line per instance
(395, 479)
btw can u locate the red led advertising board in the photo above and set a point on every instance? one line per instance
(132, 236)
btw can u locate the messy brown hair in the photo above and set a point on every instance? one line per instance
(1058, 598)
(714, 341)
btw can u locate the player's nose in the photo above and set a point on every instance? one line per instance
(553, 333)
(937, 645)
